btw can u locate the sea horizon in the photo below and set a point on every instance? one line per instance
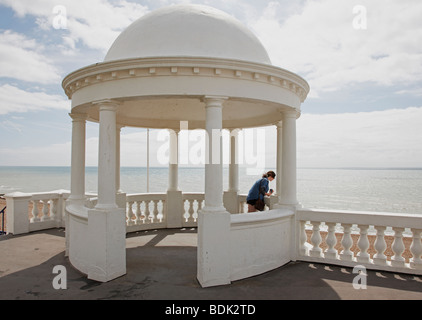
(379, 189)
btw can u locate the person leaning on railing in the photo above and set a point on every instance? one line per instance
(259, 190)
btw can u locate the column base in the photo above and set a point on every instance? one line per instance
(107, 244)
(213, 248)
(174, 209)
(231, 201)
(121, 200)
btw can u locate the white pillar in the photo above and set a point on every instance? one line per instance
(174, 161)
(234, 165)
(118, 131)
(231, 202)
(77, 183)
(120, 195)
(175, 207)
(107, 156)
(214, 159)
(106, 231)
(213, 221)
(288, 177)
(279, 158)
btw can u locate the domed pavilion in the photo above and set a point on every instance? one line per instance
(195, 64)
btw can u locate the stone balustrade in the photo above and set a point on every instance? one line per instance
(192, 204)
(370, 230)
(145, 211)
(36, 211)
(340, 232)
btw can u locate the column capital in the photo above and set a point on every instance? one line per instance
(234, 131)
(176, 131)
(214, 101)
(279, 124)
(78, 116)
(290, 114)
(107, 104)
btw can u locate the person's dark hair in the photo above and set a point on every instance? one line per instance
(269, 174)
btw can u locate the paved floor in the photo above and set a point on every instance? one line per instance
(161, 265)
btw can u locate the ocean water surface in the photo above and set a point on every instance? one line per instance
(380, 190)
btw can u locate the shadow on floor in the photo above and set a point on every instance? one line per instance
(160, 268)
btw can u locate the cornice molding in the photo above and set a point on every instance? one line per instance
(185, 66)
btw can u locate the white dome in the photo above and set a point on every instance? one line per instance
(188, 31)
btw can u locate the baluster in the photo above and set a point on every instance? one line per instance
(35, 212)
(147, 212)
(363, 244)
(45, 210)
(191, 211)
(380, 246)
(347, 243)
(398, 248)
(161, 214)
(185, 211)
(129, 221)
(303, 250)
(316, 240)
(138, 213)
(155, 212)
(331, 241)
(53, 209)
(195, 215)
(416, 250)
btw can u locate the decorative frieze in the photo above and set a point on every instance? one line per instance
(180, 70)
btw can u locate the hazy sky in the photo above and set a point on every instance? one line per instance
(362, 59)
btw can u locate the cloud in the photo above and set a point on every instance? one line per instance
(320, 42)
(391, 138)
(15, 100)
(23, 59)
(95, 23)
(48, 155)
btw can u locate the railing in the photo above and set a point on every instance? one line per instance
(366, 231)
(382, 241)
(34, 212)
(2, 212)
(145, 211)
(192, 204)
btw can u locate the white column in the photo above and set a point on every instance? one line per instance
(234, 165)
(231, 196)
(120, 195)
(175, 206)
(214, 159)
(288, 177)
(107, 156)
(118, 131)
(213, 221)
(77, 184)
(279, 158)
(105, 247)
(174, 161)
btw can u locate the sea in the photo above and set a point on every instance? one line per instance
(394, 190)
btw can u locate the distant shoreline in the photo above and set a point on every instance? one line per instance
(226, 166)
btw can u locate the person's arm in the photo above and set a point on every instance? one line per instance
(266, 188)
